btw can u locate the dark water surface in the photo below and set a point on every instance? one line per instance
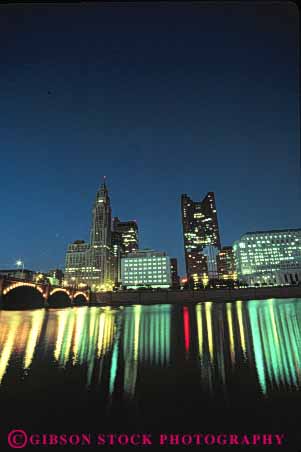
(211, 367)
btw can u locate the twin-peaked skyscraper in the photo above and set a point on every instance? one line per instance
(201, 237)
(98, 263)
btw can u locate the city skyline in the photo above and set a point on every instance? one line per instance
(199, 105)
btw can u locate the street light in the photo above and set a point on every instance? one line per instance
(20, 263)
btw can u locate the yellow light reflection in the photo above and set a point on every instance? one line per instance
(208, 315)
(37, 319)
(231, 334)
(62, 322)
(79, 327)
(241, 327)
(200, 328)
(8, 345)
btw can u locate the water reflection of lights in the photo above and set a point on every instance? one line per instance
(113, 347)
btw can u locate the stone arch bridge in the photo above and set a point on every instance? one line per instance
(16, 293)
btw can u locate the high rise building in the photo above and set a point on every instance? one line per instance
(92, 263)
(226, 264)
(200, 229)
(129, 234)
(100, 238)
(117, 250)
(269, 257)
(77, 269)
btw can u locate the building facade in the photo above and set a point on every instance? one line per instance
(77, 268)
(200, 229)
(100, 240)
(128, 231)
(117, 250)
(93, 263)
(145, 268)
(226, 264)
(269, 257)
(211, 253)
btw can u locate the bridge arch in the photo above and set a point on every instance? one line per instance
(21, 294)
(59, 297)
(80, 298)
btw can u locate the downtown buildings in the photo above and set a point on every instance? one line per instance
(97, 263)
(265, 258)
(112, 256)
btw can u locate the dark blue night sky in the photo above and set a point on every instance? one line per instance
(163, 100)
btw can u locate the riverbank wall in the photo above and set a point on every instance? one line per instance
(193, 296)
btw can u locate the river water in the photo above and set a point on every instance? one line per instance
(213, 367)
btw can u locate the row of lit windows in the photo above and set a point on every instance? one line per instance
(273, 236)
(144, 271)
(268, 258)
(148, 259)
(146, 281)
(270, 251)
(274, 246)
(143, 275)
(148, 267)
(145, 265)
(144, 262)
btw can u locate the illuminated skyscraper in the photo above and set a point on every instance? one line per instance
(129, 234)
(117, 250)
(200, 229)
(92, 263)
(100, 238)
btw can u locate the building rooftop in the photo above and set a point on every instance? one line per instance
(145, 253)
(272, 231)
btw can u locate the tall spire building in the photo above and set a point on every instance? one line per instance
(200, 230)
(92, 263)
(100, 237)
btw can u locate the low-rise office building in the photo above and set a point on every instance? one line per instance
(269, 258)
(146, 268)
